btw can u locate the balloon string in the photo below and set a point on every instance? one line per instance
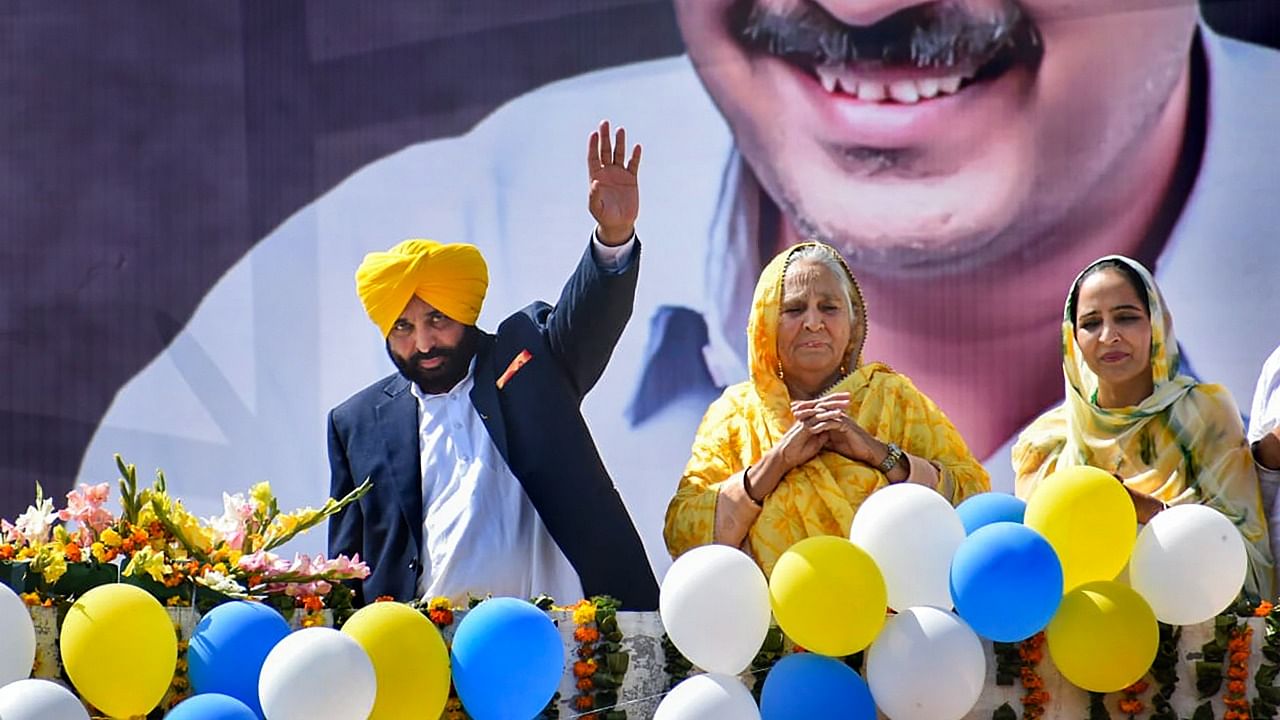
(647, 698)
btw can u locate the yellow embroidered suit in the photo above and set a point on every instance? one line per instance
(821, 496)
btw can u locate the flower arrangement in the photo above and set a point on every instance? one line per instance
(1031, 652)
(601, 663)
(1237, 673)
(1131, 704)
(1264, 681)
(156, 543)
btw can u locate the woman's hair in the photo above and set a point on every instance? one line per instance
(826, 255)
(1129, 274)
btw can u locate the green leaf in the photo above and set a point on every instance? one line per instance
(1004, 712)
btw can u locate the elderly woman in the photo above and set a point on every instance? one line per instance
(1169, 438)
(794, 451)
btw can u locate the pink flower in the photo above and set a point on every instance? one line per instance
(231, 527)
(84, 507)
(9, 533)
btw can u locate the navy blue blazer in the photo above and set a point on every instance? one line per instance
(536, 422)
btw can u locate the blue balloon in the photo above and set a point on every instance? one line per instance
(507, 660)
(990, 507)
(1006, 581)
(228, 647)
(806, 686)
(211, 707)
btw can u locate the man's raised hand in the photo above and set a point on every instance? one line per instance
(614, 195)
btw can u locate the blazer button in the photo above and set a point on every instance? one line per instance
(413, 564)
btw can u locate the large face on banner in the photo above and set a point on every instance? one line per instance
(911, 134)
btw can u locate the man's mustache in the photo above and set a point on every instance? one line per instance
(432, 354)
(938, 34)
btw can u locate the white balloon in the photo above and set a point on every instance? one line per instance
(317, 672)
(17, 637)
(926, 664)
(39, 700)
(1189, 564)
(708, 697)
(715, 607)
(912, 533)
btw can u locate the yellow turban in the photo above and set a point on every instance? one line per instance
(451, 278)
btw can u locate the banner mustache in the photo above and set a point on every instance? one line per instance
(939, 34)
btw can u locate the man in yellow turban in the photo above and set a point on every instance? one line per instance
(485, 476)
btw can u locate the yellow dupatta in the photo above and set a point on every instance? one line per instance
(821, 496)
(1184, 443)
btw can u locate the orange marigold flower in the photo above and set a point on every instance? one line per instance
(441, 618)
(313, 603)
(1236, 686)
(1264, 609)
(1238, 673)
(586, 651)
(584, 702)
(72, 551)
(586, 634)
(1137, 688)
(1129, 706)
(6, 552)
(585, 684)
(584, 668)
(31, 599)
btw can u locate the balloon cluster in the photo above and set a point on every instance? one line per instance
(1009, 569)
(388, 662)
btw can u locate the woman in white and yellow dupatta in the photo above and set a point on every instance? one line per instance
(1128, 410)
(794, 451)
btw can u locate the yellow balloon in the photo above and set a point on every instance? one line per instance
(828, 595)
(1089, 519)
(120, 649)
(1103, 637)
(409, 658)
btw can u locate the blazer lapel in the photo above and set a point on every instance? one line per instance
(398, 427)
(484, 395)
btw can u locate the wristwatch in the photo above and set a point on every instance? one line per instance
(892, 459)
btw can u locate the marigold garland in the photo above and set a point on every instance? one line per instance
(1031, 652)
(601, 663)
(1264, 681)
(1238, 649)
(1130, 701)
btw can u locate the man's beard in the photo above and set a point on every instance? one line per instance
(457, 360)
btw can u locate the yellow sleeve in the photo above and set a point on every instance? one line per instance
(691, 514)
(1035, 454)
(926, 432)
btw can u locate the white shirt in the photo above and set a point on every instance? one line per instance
(480, 533)
(1264, 417)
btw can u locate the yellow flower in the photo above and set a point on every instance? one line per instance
(111, 537)
(261, 494)
(148, 561)
(50, 563)
(99, 551)
(26, 553)
(584, 613)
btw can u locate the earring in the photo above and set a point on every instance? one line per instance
(780, 375)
